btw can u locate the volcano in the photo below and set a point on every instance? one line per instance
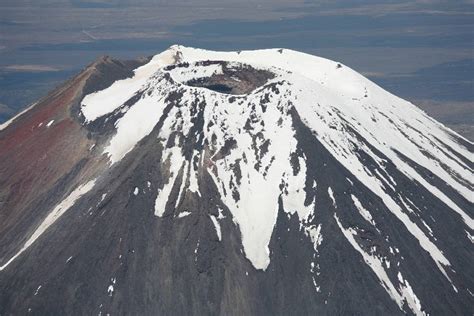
(251, 182)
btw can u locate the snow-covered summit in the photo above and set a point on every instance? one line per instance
(261, 172)
(350, 115)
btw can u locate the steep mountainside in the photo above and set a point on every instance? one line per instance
(253, 182)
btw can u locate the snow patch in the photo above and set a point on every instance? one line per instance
(37, 290)
(173, 159)
(106, 101)
(52, 217)
(375, 264)
(217, 226)
(362, 211)
(183, 214)
(7, 123)
(110, 290)
(137, 123)
(198, 71)
(469, 236)
(331, 196)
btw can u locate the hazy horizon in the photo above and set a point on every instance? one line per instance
(420, 50)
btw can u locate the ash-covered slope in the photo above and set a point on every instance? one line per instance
(253, 182)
